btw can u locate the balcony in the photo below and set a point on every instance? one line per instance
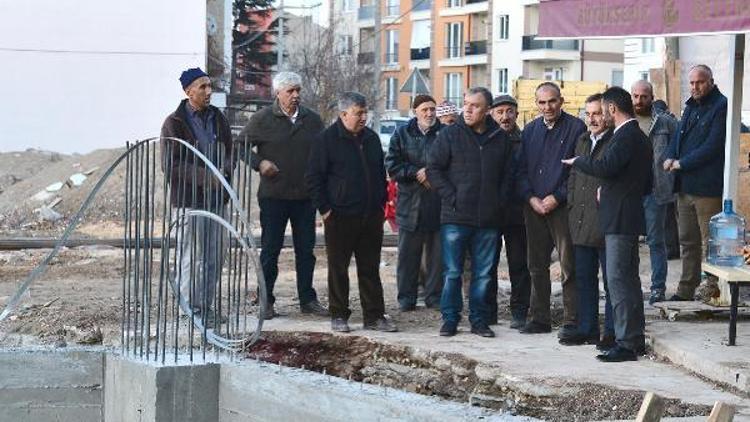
(473, 48)
(464, 7)
(421, 5)
(366, 58)
(534, 49)
(366, 12)
(391, 58)
(420, 53)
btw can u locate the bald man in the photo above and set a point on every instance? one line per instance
(696, 158)
(659, 127)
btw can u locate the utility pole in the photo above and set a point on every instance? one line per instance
(376, 72)
(280, 38)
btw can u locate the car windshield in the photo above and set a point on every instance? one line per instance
(387, 127)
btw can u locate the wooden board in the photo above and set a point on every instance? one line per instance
(671, 310)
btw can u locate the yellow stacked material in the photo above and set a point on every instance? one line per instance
(574, 93)
(742, 202)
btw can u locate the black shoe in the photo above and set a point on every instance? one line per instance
(606, 343)
(449, 329)
(656, 296)
(676, 298)
(407, 308)
(578, 339)
(517, 323)
(533, 327)
(482, 330)
(314, 307)
(618, 354)
(383, 324)
(270, 313)
(567, 331)
(339, 325)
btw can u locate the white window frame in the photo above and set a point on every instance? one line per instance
(454, 3)
(454, 88)
(502, 81)
(346, 45)
(347, 5)
(503, 27)
(648, 45)
(391, 46)
(454, 37)
(392, 7)
(391, 93)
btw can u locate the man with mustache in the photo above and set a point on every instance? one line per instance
(282, 135)
(512, 231)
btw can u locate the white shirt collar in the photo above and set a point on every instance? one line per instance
(293, 117)
(624, 123)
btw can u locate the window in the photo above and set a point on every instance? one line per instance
(618, 78)
(391, 93)
(644, 76)
(454, 88)
(347, 5)
(553, 73)
(502, 27)
(502, 81)
(392, 7)
(346, 45)
(391, 46)
(454, 39)
(454, 3)
(648, 45)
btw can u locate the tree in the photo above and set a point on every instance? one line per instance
(252, 43)
(327, 71)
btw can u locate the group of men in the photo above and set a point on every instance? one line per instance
(469, 184)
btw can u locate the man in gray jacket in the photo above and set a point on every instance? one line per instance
(659, 127)
(282, 135)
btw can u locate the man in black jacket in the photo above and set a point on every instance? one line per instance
(418, 211)
(282, 135)
(347, 183)
(512, 231)
(625, 170)
(470, 166)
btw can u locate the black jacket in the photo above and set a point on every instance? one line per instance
(346, 173)
(699, 146)
(514, 210)
(583, 210)
(286, 144)
(625, 170)
(185, 169)
(472, 174)
(407, 153)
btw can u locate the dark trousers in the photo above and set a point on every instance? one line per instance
(671, 235)
(361, 236)
(588, 261)
(456, 240)
(514, 239)
(274, 215)
(411, 245)
(545, 232)
(625, 290)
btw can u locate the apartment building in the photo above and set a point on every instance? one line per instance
(457, 44)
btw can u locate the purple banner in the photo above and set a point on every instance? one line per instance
(616, 18)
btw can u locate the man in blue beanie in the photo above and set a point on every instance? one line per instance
(193, 186)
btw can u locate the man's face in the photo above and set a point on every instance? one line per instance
(608, 117)
(289, 97)
(595, 117)
(700, 84)
(425, 114)
(475, 109)
(448, 119)
(199, 92)
(505, 115)
(549, 103)
(643, 98)
(354, 118)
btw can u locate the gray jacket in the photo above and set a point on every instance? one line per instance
(661, 133)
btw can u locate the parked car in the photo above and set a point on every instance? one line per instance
(388, 128)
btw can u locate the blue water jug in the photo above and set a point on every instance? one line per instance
(726, 237)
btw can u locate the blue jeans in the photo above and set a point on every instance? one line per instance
(482, 243)
(274, 216)
(588, 261)
(655, 220)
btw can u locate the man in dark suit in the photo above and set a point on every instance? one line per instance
(625, 170)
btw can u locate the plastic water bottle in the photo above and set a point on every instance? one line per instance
(726, 237)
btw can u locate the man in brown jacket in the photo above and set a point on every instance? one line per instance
(193, 186)
(588, 241)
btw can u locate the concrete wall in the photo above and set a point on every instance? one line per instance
(50, 386)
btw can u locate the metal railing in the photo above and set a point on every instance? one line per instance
(473, 48)
(530, 42)
(420, 53)
(391, 58)
(453, 51)
(421, 5)
(366, 58)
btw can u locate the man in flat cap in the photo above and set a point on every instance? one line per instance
(194, 186)
(512, 231)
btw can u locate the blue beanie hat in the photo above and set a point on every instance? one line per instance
(191, 75)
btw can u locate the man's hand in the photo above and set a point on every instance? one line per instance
(422, 178)
(598, 194)
(569, 161)
(549, 203)
(675, 165)
(326, 216)
(668, 164)
(537, 206)
(268, 169)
